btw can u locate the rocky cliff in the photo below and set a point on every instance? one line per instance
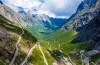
(11, 15)
(86, 22)
(83, 15)
(91, 32)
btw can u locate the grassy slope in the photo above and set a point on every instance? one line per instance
(37, 58)
(27, 40)
(63, 38)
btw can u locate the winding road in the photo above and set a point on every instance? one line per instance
(40, 48)
(66, 60)
(16, 52)
(85, 58)
(28, 55)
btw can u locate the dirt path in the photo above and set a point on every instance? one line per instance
(40, 48)
(85, 57)
(66, 60)
(28, 55)
(24, 48)
(16, 52)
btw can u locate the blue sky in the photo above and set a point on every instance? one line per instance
(52, 8)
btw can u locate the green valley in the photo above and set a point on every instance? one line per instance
(38, 32)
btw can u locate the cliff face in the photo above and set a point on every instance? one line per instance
(83, 16)
(87, 24)
(14, 17)
(85, 4)
(91, 32)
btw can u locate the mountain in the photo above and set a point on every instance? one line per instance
(11, 15)
(48, 22)
(13, 36)
(41, 23)
(21, 41)
(58, 21)
(16, 42)
(91, 32)
(82, 16)
(85, 5)
(86, 23)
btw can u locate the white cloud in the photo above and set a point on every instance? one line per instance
(52, 8)
(24, 3)
(63, 7)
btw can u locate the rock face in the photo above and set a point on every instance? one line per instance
(11, 15)
(91, 31)
(84, 14)
(87, 24)
(85, 4)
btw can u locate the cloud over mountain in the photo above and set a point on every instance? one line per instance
(52, 8)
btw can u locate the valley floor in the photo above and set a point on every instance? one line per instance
(54, 49)
(59, 50)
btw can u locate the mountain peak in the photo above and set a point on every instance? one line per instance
(86, 4)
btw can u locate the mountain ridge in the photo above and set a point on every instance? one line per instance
(82, 19)
(84, 16)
